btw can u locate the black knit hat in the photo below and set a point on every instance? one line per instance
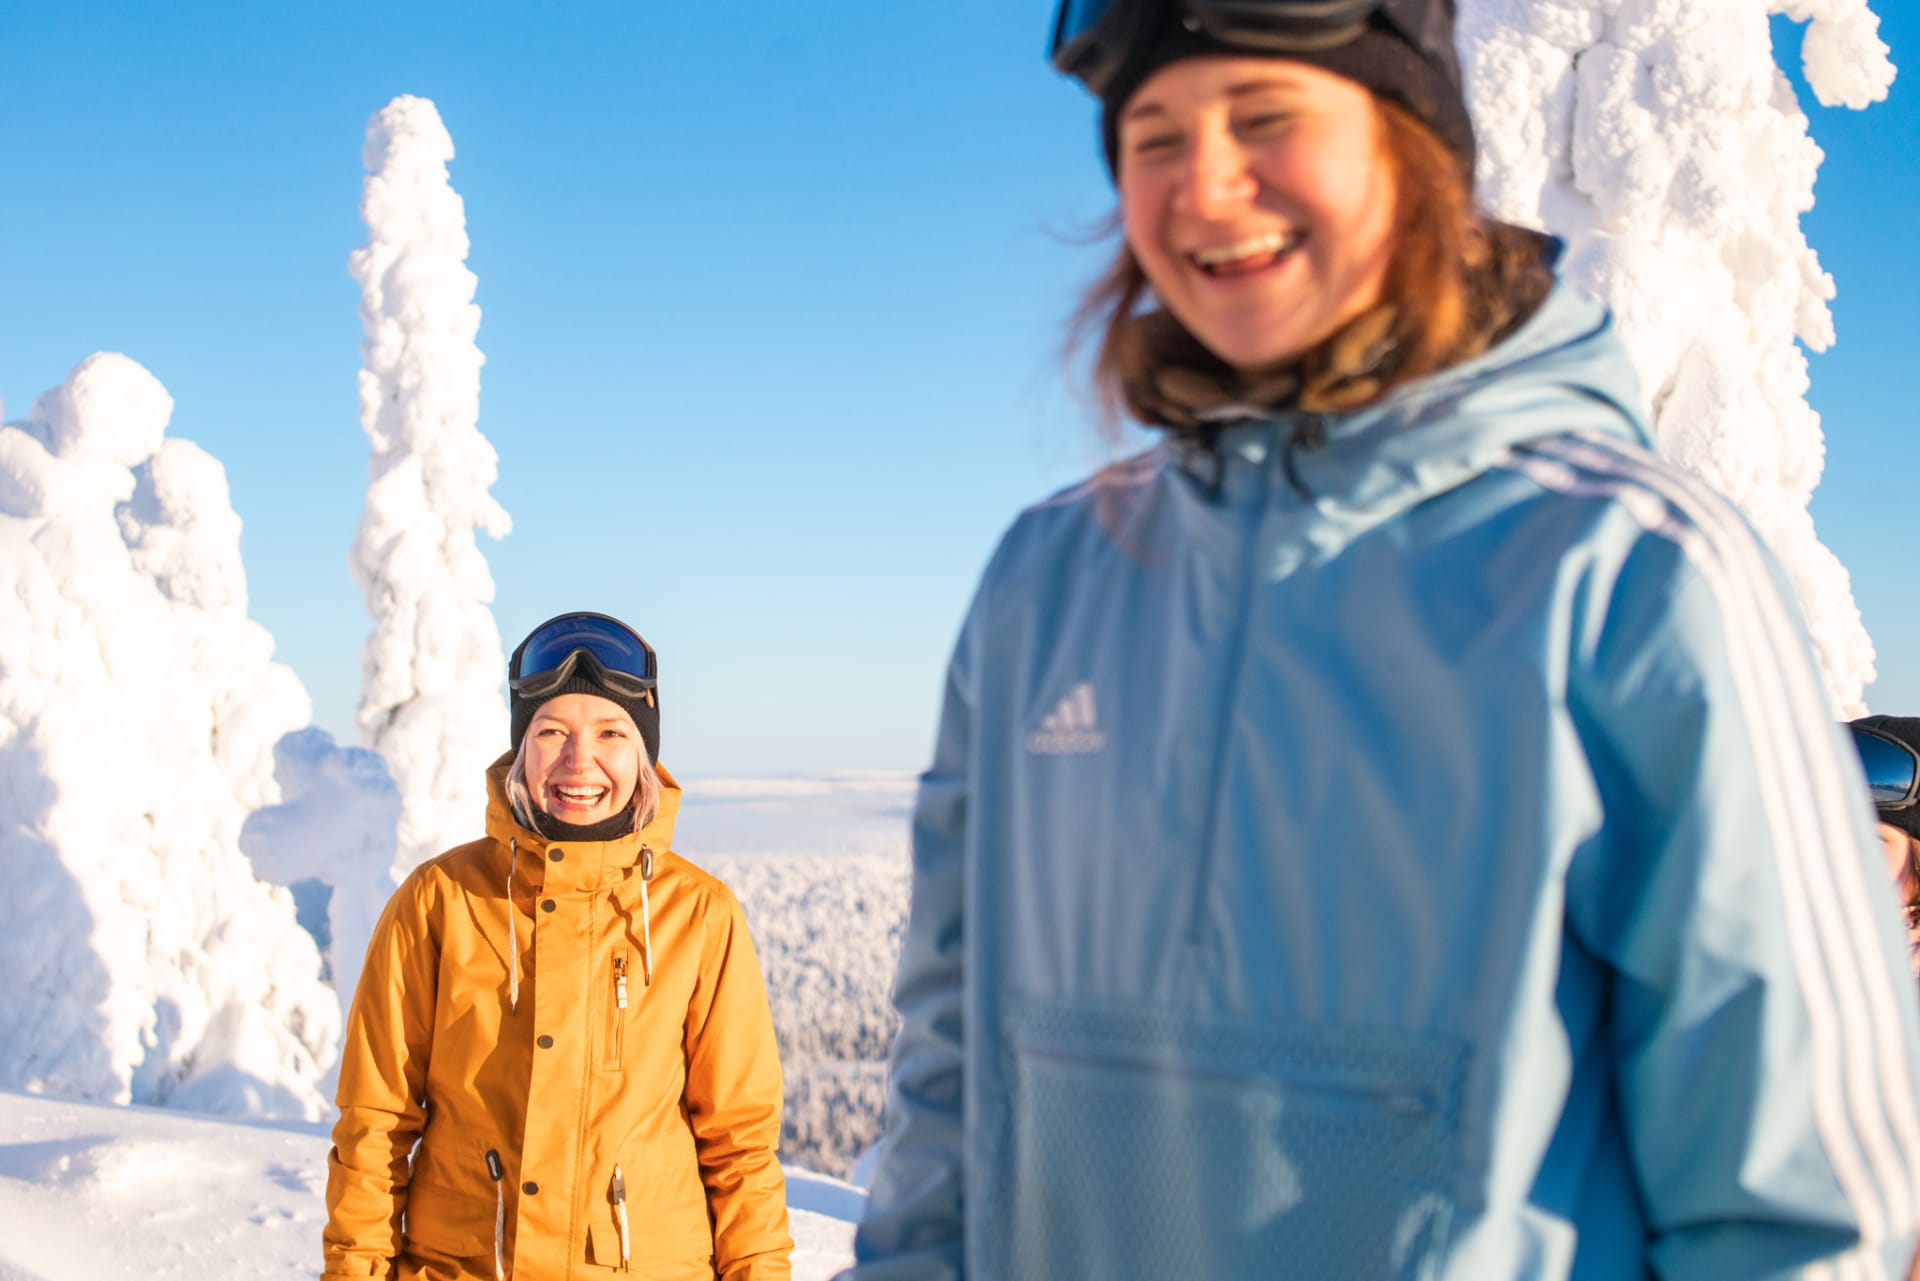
(1904, 730)
(587, 676)
(1405, 53)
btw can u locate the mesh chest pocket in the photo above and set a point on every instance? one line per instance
(1153, 1145)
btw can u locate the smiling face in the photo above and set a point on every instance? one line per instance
(1258, 201)
(583, 758)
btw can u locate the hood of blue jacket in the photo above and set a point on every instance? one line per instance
(1561, 372)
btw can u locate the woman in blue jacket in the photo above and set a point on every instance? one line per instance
(1393, 828)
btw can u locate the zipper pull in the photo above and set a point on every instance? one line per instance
(1313, 431)
(618, 1194)
(620, 981)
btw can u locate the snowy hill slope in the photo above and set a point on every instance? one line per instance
(91, 1191)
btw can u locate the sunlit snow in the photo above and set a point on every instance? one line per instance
(93, 1193)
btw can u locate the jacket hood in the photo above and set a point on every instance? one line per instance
(567, 866)
(587, 858)
(1562, 371)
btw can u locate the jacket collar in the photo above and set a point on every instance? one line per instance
(1564, 370)
(583, 865)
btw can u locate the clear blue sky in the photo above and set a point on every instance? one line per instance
(772, 297)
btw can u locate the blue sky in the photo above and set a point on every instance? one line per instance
(772, 299)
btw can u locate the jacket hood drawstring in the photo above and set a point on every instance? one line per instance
(496, 1172)
(646, 917)
(513, 931)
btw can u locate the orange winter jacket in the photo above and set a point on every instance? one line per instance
(640, 1041)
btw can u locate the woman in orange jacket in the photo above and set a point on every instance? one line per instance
(559, 1062)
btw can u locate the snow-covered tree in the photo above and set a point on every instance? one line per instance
(433, 670)
(1661, 139)
(329, 839)
(141, 960)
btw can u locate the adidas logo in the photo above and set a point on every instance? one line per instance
(1070, 729)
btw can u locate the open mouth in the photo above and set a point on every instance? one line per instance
(1244, 257)
(583, 797)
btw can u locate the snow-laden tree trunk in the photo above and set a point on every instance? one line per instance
(433, 670)
(1662, 141)
(141, 960)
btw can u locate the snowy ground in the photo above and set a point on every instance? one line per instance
(90, 1191)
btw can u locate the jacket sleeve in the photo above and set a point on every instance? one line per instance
(913, 1228)
(733, 1103)
(1763, 1029)
(382, 1092)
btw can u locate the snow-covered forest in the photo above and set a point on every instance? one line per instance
(187, 936)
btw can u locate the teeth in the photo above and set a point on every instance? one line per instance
(1271, 243)
(581, 793)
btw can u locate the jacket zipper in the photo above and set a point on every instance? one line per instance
(617, 1011)
(1223, 733)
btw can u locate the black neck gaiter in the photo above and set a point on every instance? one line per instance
(607, 829)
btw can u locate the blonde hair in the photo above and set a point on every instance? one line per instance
(646, 790)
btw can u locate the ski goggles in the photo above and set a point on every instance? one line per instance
(1892, 769)
(1091, 38)
(614, 655)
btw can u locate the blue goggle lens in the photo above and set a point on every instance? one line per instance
(1892, 769)
(618, 650)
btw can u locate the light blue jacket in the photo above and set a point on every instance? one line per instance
(1417, 847)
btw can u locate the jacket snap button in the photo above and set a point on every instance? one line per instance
(546, 1043)
(556, 855)
(547, 905)
(531, 1189)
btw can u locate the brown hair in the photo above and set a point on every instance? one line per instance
(1456, 283)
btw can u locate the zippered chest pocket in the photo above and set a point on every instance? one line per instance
(1151, 1145)
(618, 997)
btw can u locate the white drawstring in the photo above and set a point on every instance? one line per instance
(513, 931)
(619, 1194)
(494, 1172)
(646, 918)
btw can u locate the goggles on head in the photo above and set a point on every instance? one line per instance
(1892, 769)
(611, 652)
(1092, 38)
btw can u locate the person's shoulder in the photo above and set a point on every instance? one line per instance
(1092, 512)
(1671, 560)
(464, 867)
(1122, 476)
(1648, 497)
(703, 884)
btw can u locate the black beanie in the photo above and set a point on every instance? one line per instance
(1406, 54)
(584, 679)
(1904, 730)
